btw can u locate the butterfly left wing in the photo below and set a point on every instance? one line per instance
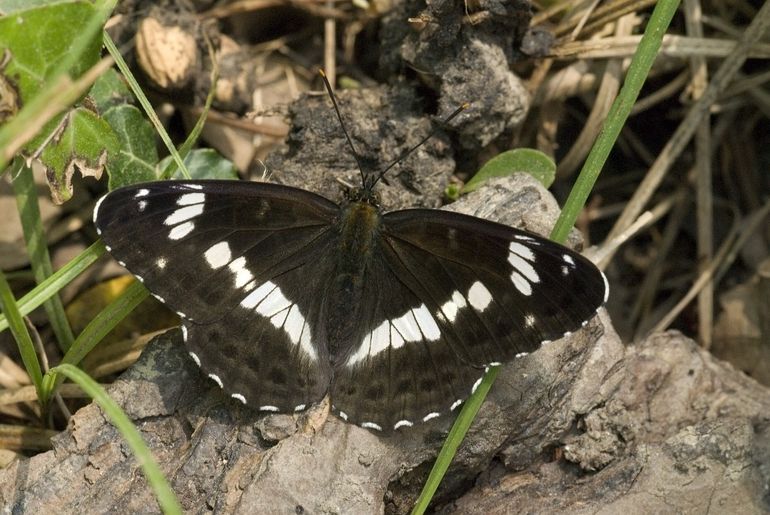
(480, 293)
(231, 257)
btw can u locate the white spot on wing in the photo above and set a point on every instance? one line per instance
(371, 425)
(343, 416)
(293, 324)
(143, 192)
(407, 327)
(184, 336)
(521, 284)
(521, 354)
(194, 186)
(299, 407)
(305, 342)
(142, 205)
(273, 304)
(568, 259)
(242, 275)
(183, 214)
(180, 231)
(194, 356)
(455, 404)
(476, 384)
(255, 297)
(523, 267)
(479, 297)
(268, 408)
(522, 251)
(413, 326)
(430, 416)
(218, 255)
(451, 307)
(191, 198)
(402, 423)
(427, 323)
(529, 320)
(96, 211)
(216, 379)
(270, 302)
(239, 397)
(161, 263)
(606, 287)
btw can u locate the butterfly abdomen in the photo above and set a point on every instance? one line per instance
(359, 227)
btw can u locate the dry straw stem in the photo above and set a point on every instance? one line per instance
(724, 257)
(25, 438)
(684, 132)
(672, 46)
(704, 203)
(27, 394)
(645, 300)
(605, 96)
(603, 255)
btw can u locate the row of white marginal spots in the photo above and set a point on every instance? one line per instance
(415, 325)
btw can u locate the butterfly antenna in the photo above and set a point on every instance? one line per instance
(426, 138)
(342, 124)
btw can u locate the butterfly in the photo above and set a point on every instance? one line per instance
(286, 296)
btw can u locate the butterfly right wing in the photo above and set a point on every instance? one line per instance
(233, 259)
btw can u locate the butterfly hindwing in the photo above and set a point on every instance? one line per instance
(232, 259)
(399, 369)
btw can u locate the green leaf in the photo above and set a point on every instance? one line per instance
(110, 90)
(135, 161)
(452, 191)
(35, 41)
(83, 141)
(11, 6)
(204, 163)
(136, 158)
(526, 160)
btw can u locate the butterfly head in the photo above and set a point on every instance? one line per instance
(365, 193)
(370, 179)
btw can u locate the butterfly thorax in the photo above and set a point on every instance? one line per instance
(359, 226)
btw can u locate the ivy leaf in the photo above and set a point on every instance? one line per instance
(204, 163)
(526, 160)
(82, 141)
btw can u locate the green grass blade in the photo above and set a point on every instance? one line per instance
(61, 278)
(638, 70)
(37, 247)
(144, 102)
(21, 335)
(637, 73)
(157, 481)
(453, 441)
(105, 322)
